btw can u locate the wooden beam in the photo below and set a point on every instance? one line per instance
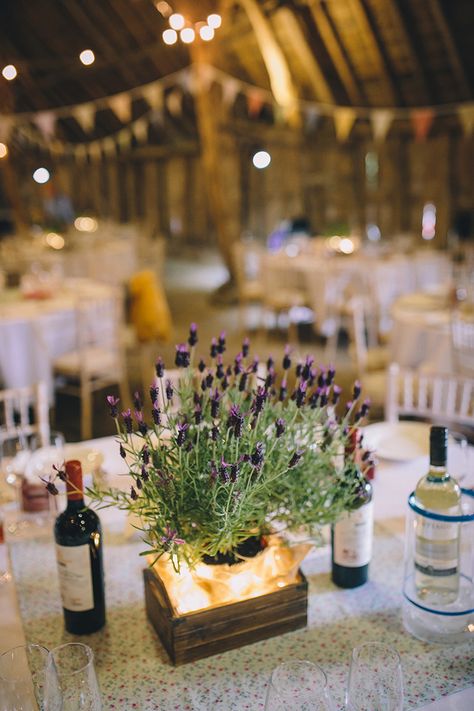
(451, 48)
(281, 82)
(335, 50)
(406, 22)
(368, 27)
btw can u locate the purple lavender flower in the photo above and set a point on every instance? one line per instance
(213, 473)
(169, 390)
(256, 458)
(113, 402)
(234, 472)
(223, 473)
(356, 390)
(133, 494)
(254, 365)
(154, 392)
(260, 397)
(270, 379)
(213, 350)
(159, 368)
(324, 397)
(312, 376)
(322, 378)
(201, 366)
(182, 357)
(286, 358)
(300, 393)
(156, 414)
(137, 400)
(295, 458)
(215, 433)
(283, 390)
(221, 342)
(198, 414)
(245, 347)
(182, 429)
(197, 399)
(225, 383)
(170, 537)
(127, 420)
(145, 454)
(219, 367)
(270, 362)
(280, 427)
(193, 339)
(330, 375)
(142, 426)
(306, 370)
(299, 369)
(243, 382)
(349, 405)
(138, 483)
(314, 398)
(336, 394)
(365, 407)
(209, 379)
(144, 473)
(215, 398)
(51, 488)
(122, 451)
(238, 363)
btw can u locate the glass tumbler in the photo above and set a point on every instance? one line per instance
(71, 681)
(299, 685)
(23, 678)
(375, 679)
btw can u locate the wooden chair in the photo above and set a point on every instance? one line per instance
(283, 290)
(462, 342)
(429, 396)
(98, 360)
(16, 407)
(247, 269)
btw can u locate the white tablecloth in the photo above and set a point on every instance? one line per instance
(34, 333)
(421, 335)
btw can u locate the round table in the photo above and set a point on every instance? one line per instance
(34, 332)
(421, 332)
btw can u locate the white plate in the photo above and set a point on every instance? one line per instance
(398, 441)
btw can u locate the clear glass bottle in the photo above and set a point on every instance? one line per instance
(437, 542)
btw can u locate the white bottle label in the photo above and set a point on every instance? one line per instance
(75, 577)
(353, 533)
(437, 546)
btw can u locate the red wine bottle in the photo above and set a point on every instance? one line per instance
(351, 538)
(78, 537)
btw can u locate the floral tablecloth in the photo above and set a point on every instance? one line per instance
(134, 672)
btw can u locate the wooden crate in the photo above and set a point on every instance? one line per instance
(206, 632)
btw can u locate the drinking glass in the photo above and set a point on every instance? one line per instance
(375, 679)
(301, 686)
(71, 681)
(23, 678)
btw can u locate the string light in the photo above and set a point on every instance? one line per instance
(41, 175)
(214, 21)
(187, 35)
(164, 8)
(176, 21)
(262, 159)
(87, 57)
(170, 37)
(54, 240)
(3, 150)
(9, 72)
(206, 33)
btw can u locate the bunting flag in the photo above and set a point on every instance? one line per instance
(109, 146)
(205, 74)
(140, 130)
(230, 90)
(381, 120)
(421, 121)
(153, 95)
(466, 116)
(174, 102)
(121, 105)
(312, 117)
(344, 119)
(124, 138)
(46, 122)
(255, 102)
(85, 116)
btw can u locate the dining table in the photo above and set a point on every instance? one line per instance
(133, 669)
(37, 329)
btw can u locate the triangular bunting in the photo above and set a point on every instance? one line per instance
(174, 102)
(85, 116)
(230, 90)
(109, 146)
(255, 101)
(421, 121)
(466, 116)
(153, 95)
(204, 75)
(121, 105)
(344, 119)
(46, 122)
(381, 120)
(140, 130)
(124, 138)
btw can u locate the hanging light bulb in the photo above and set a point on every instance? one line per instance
(3, 150)
(170, 37)
(214, 21)
(187, 35)
(176, 21)
(87, 57)
(261, 159)
(41, 175)
(206, 33)
(9, 72)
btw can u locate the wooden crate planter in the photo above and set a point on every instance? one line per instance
(210, 631)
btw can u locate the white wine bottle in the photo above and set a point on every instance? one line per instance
(437, 542)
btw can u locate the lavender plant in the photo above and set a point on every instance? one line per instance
(225, 453)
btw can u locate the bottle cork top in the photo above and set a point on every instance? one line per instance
(438, 446)
(74, 485)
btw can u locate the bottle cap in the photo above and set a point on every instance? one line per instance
(74, 480)
(438, 446)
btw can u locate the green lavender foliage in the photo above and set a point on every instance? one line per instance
(190, 498)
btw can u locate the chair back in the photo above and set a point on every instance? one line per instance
(462, 342)
(429, 396)
(16, 405)
(98, 331)
(247, 262)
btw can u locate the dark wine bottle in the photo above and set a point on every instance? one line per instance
(351, 538)
(78, 537)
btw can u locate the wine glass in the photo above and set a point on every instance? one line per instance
(299, 685)
(71, 681)
(23, 678)
(375, 679)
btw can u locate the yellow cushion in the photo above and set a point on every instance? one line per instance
(149, 311)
